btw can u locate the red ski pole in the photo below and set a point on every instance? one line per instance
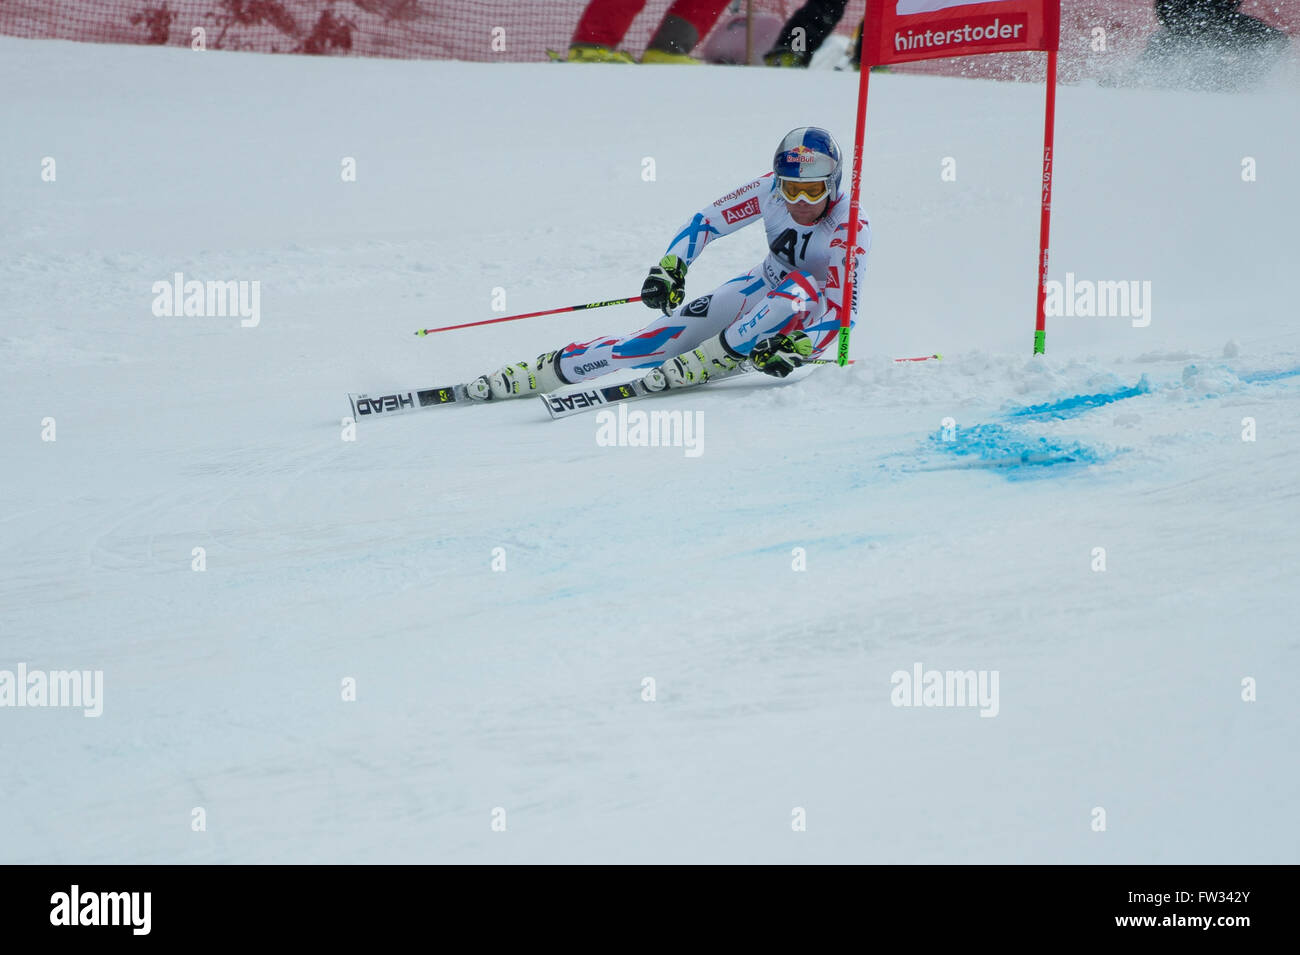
(852, 361)
(515, 318)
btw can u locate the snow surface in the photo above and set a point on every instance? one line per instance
(522, 690)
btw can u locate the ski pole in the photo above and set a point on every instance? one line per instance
(549, 311)
(831, 361)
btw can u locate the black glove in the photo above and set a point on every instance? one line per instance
(781, 354)
(665, 286)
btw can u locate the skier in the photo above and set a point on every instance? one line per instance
(778, 315)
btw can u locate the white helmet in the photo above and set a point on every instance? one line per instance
(809, 154)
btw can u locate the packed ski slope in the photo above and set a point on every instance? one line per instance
(517, 696)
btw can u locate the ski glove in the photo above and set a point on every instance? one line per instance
(781, 354)
(665, 286)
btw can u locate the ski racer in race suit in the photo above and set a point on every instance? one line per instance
(778, 315)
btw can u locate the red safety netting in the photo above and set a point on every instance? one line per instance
(524, 30)
(484, 30)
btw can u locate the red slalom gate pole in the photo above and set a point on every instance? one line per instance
(515, 318)
(1045, 224)
(855, 188)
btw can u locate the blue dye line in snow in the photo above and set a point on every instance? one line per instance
(1022, 455)
(1259, 377)
(1078, 404)
(996, 446)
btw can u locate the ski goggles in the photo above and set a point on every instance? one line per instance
(811, 191)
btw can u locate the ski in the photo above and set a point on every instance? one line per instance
(578, 401)
(403, 402)
(558, 404)
(561, 405)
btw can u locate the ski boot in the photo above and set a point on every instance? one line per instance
(713, 359)
(520, 380)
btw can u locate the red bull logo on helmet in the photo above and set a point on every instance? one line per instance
(800, 154)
